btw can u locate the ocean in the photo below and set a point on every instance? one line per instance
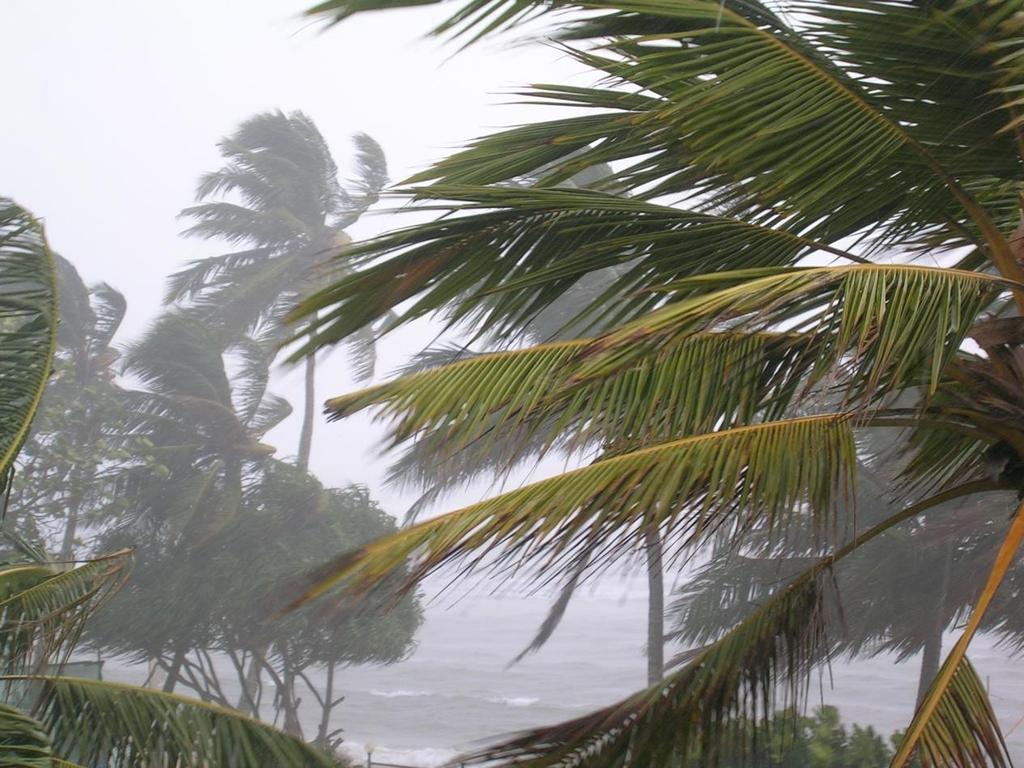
(457, 690)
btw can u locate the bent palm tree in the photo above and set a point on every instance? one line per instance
(291, 214)
(70, 461)
(823, 198)
(47, 720)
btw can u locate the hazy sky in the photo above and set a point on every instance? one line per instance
(119, 105)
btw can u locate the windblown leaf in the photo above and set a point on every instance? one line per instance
(42, 610)
(717, 482)
(510, 253)
(686, 387)
(28, 324)
(703, 710)
(898, 325)
(24, 742)
(712, 709)
(963, 731)
(104, 723)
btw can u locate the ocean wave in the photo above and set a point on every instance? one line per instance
(428, 757)
(401, 693)
(514, 701)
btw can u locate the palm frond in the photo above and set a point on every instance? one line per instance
(100, 722)
(714, 708)
(511, 253)
(745, 106)
(490, 14)
(109, 307)
(897, 325)
(720, 482)
(962, 731)
(24, 742)
(703, 710)
(196, 277)
(954, 724)
(531, 396)
(42, 611)
(28, 324)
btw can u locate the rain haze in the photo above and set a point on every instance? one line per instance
(117, 111)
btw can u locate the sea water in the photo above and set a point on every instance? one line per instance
(457, 690)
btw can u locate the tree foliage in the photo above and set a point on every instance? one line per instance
(819, 203)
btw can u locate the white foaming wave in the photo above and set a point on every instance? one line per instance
(514, 701)
(401, 693)
(427, 757)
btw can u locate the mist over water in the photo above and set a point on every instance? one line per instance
(120, 113)
(457, 691)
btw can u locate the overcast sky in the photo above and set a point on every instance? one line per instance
(117, 107)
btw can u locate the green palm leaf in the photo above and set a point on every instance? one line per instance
(24, 742)
(28, 324)
(100, 722)
(512, 252)
(703, 381)
(712, 707)
(899, 325)
(720, 482)
(43, 610)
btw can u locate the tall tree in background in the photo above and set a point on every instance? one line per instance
(432, 467)
(77, 449)
(279, 196)
(47, 719)
(752, 145)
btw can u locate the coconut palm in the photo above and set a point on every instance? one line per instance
(202, 448)
(72, 456)
(431, 468)
(47, 719)
(279, 196)
(821, 197)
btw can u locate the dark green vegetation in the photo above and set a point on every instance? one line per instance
(49, 719)
(813, 210)
(157, 454)
(816, 741)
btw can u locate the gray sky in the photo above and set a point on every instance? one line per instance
(120, 105)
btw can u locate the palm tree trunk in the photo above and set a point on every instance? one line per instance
(172, 672)
(325, 712)
(931, 656)
(67, 546)
(930, 659)
(655, 608)
(251, 683)
(289, 703)
(306, 437)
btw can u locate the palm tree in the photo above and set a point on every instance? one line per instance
(279, 196)
(821, 198)
(48, 719)
(202, 447)
(432, 468)
(67, 466)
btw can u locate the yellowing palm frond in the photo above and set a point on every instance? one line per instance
(954, 724)
(694, 385)
(722, 481)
